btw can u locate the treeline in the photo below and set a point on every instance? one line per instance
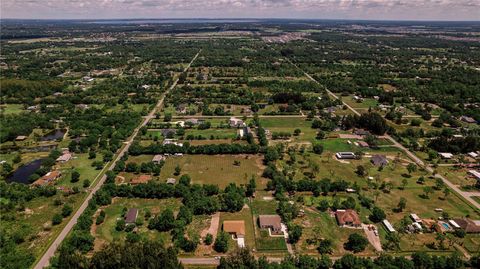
(22, 124)
(419, 260)
(25, 91)
(136, 149)
(455, 144)
(371, 121)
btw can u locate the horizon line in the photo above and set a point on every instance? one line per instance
(238, 18)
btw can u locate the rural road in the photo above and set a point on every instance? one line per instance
(466, 195)
(44, 261)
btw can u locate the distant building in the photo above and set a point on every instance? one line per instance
(158, 158)
(234, 122)
(48, 178)
(474, 173)
(345, 155)
(20, 138)
(172, 142)
(168, 132)
(141, 179)
(361, 132)
(88, 79)
(415, 218)
(379, 160)
(171, 181)
(473, 154)
(272, 222)
(81, 106)
(445, 155)
(363, 144)
(468, 225)
(131, 216)
(348, 218)
(66, 156)
(468, 119)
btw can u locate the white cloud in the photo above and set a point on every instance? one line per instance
(347, 9)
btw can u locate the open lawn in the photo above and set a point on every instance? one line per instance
(289, 124)
(82, 164)
(12, 109)
(320, 225)
(215, 169)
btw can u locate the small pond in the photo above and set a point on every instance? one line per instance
(54, 135)
(22, 173)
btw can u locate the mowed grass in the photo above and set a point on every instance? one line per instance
(320, 225)
(106, 231)
(11, 109)
(215, 169)
(267, 243)
(289, 124)
(82, 164)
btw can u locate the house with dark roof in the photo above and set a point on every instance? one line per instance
(379, 160)
(348, 218)
(361, 132)
(468, 225)
(272, 222)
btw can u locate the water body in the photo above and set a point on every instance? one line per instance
(54, 135)
(22, 173)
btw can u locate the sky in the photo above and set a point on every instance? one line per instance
(456, 10)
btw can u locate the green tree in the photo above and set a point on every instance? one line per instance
(56, 219)
(356, 243)
(325, 246)
(402, 204)
(75, 177)
(377, 214)
(221, 242)
(208, 239)
(66, 210)
(411, 168)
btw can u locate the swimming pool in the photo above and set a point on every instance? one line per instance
(446, 226)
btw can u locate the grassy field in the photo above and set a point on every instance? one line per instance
(215, 169)
(12, 109)
(81, 164)
(289, 124)
(35, 222)
(106, 232)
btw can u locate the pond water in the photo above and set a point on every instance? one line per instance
(22, 173)
(54, 135)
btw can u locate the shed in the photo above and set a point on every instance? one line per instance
(171, 181)
(388, 226)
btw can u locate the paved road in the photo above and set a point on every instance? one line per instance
(466, 195)
(44, 261)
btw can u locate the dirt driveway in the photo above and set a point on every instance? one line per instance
(372, 238)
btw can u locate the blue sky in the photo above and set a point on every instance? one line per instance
(312, 9)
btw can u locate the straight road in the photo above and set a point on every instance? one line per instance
(44, 261)
(466, 195)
